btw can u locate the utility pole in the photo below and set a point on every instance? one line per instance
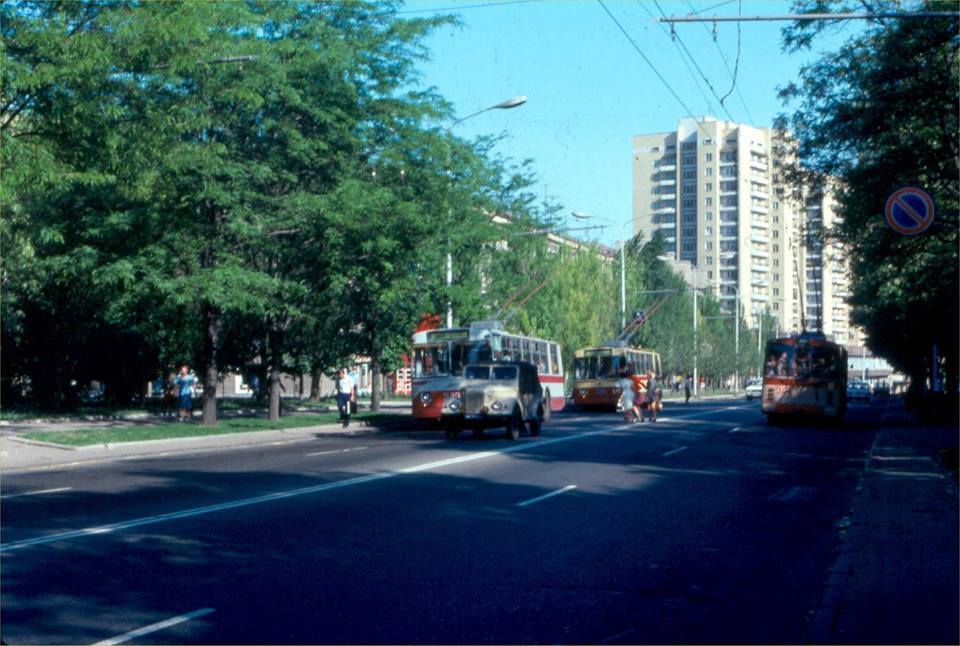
(696, 380)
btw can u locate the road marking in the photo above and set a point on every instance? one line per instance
(674, 452)
(35, 493)
(358, 448)
(328, 486)
(152, 628)
(794, 493)
(546, 495)
(618, 635)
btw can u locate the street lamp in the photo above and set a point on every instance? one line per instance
(623, 260)
(736, 332)
(513, 102)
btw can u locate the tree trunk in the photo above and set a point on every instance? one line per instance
(274, 411)
(375, 380)
(315, 378)
(211, 372)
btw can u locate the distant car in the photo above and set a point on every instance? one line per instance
(754, 389)
(857, 390)
(506, 394)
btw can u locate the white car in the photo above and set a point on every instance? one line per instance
(754, 389)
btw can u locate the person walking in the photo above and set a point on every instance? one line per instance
(687, 387)
(345, 395)
(653, 396)
(184, 385)
(625, 384)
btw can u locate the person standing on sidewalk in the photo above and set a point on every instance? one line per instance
(184, 384)
(345, 395)
(687, 387)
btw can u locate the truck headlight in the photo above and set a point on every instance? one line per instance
(426, 398)
(455, 404)
(497, 405)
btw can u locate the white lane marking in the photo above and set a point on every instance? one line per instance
(152, 628)
(674, 452)
(358, 448)
(35, 493)
(328, 486)
(546, 495)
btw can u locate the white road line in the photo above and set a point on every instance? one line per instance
(152, 628)
(674, 452)
(35, 493)
(546, 495)
(358, 448)
(328, 486)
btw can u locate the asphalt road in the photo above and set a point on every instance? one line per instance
(708, 526)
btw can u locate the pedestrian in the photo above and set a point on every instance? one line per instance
(184, 383)
(625, 384)
(640, 397)
(345, 395)
(687, 387)
(653, 396)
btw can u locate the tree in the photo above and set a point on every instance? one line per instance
(877, 114)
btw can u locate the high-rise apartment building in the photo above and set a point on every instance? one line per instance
(713, 188)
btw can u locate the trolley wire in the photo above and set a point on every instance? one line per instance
(652, 66)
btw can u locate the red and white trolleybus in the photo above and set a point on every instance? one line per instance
(804, 375)
(440, 355)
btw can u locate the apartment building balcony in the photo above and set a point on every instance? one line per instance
(763, 268)
(757, 208)
(668, 196)
(666, 182)
(759, 253)
(759, 179)
(667, 167)
(664, 209)
(758, 165)
(759, 224)
(763, 298)
(667, 225)
(757, 239)
(760, 194)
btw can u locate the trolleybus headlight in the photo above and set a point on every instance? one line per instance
(583, 392)
(426, 398)
(497, 405)
(455, 405)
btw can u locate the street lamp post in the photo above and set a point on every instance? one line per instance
(736, 332)
(623, 260)
(513, 102)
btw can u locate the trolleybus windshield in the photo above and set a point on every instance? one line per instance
(444, 359)
(801, 361)
(598, 364)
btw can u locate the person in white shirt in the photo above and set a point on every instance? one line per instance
(345, 395)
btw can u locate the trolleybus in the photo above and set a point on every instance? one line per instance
(440, 355)
(597, 369)
(804, 374)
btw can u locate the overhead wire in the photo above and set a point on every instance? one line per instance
(484, 5)
(683, 58)
(653, 67)
(736, 64)
(706, 80)
(723, 57)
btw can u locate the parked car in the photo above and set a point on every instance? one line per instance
(858, 390)
(754, 389)
(506, 394)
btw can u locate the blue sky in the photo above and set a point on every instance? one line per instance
(588, 89)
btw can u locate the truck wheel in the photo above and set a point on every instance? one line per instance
(534, 424)
(515, 425)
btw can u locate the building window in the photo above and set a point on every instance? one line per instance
(710, 261)
(708, 171)
(776, 248)
(776, 262)
(776, 276)
(706, 142)
(710, 275)
(708, 246)
(776, 306)
(709, 231)
(776, 205)
(708, 216)
(708, 156)
(776, 291)
(708, 201)
(708, 186)
(776, 234)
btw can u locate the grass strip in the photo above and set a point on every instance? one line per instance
(141, 432)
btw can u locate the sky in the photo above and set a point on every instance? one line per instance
(589, 91)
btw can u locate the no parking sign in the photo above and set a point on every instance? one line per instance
(909, 211)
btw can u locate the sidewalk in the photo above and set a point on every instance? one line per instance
(895, 580)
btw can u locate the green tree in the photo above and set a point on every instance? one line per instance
(877, 114)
